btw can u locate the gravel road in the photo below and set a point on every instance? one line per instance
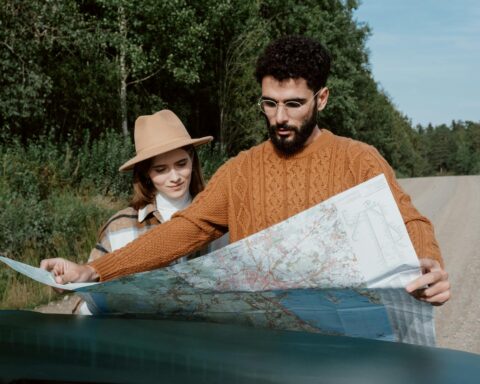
(452, 203)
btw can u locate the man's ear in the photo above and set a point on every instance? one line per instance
(322, 98)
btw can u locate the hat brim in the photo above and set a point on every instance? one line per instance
(160, 149)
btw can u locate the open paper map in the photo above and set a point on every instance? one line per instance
(338, 268)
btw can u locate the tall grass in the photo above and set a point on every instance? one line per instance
(52, 204)
(55, 196)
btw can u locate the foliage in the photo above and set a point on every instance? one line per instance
(95, 165)
(51, 205)
(53, 72)
(45, 194)
(211, 157)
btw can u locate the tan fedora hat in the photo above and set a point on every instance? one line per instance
(160, 133)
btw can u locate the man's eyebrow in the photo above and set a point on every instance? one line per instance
(299, 99)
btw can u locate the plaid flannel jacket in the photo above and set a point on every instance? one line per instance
(128, 224)
(124, 227)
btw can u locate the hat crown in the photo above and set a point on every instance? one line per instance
(159, 129)
(160, 133)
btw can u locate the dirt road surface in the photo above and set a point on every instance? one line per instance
(452, 203)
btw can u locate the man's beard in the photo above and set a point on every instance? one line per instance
(291, 145)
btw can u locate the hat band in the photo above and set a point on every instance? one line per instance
(177, 143)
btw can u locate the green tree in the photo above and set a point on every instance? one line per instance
(442, 149)
(138, 41)
(472, 140)
(53, 76)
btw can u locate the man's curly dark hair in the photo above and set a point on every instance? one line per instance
(293, 57)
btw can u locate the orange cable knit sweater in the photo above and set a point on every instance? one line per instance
(259, 188)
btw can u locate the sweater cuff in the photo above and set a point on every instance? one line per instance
(105, 269)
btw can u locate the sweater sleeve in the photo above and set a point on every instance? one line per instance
(420, 229)
(187, 231)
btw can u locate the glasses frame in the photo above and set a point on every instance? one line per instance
(297, 104)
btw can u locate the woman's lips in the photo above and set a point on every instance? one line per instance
(177, 187)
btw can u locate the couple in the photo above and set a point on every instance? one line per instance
(299, 166)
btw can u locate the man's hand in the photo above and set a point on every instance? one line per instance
(65, 271)
(433, 286)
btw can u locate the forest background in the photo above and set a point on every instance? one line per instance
(74, 75)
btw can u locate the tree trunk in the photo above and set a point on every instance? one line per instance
(122, 21)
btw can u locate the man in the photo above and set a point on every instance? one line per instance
(300, 166)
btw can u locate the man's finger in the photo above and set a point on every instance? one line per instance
(440, 287)
(423, 281)
(439, 299)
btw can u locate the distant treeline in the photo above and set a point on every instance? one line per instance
(448, 150)
(433, 150)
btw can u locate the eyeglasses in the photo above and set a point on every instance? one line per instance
(292, 107)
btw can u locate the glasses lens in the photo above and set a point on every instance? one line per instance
(268, 106)
(293, 105)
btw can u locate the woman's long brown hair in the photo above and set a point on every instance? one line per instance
(144, 191)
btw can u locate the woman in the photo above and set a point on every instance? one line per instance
(166, 177)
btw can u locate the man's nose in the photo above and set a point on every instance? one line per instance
(281, 115)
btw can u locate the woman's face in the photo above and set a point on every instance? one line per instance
(171, 173)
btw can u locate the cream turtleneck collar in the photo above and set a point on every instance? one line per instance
(167, 206)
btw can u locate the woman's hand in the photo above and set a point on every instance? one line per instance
(65, 271)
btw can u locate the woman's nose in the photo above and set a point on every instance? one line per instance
(174, 175)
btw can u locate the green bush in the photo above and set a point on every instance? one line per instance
(46, 192)
(211, 158)
(63, 225)
(97, 163)
(52, 204)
